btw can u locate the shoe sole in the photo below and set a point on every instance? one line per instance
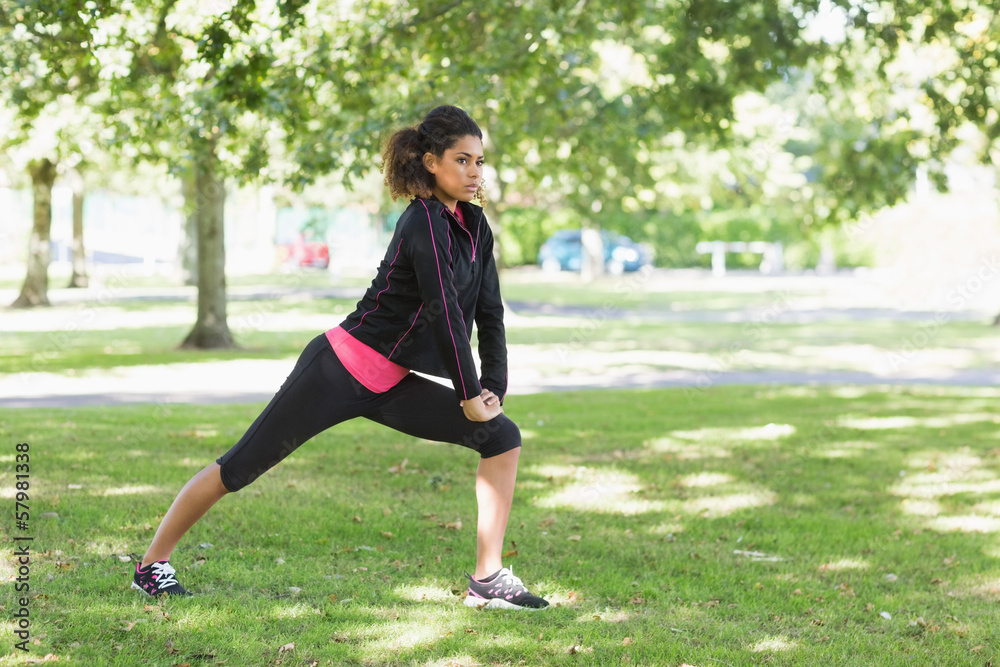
(137, 587)
(496, 603)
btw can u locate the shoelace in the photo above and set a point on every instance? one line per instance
(165, 575)
(511, 582)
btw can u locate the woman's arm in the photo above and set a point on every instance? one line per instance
(489, 322)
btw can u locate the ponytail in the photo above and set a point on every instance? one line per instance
(403, 157)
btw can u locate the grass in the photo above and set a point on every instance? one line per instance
(725, 526)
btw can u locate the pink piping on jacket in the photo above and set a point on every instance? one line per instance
(377, 304)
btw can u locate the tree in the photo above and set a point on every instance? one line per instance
(34, 291)
(46, 81)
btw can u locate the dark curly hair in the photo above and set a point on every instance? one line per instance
(403, 156)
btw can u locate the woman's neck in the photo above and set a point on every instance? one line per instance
(450, 204)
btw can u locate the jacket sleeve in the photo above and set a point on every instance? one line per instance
(429, 249)
(489, 323)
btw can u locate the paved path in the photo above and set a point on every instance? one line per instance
(532, 369)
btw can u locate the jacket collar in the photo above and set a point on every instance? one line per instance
(473, 214)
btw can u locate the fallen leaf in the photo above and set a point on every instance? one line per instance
(639, 600)
(332, 597)
(575, 538)
(627, 641)
(453, 525)
(386, 534)
(290, 646)
(572, 597)
(386, 511)
(130, 626)
(825, 638)
(510, 554)
(797, 591)
(869, 607)
(399, 468)
(357, 519)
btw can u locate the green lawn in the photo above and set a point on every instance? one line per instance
(731, 526)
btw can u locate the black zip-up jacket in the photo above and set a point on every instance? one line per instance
(438, 277)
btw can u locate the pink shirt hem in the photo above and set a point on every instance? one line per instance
(368, 367)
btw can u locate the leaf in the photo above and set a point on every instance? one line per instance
(357, 519)
(453, 525)
(399, 468)
(627, 641)
(510, 554)
(332, 597)
(574, 538)
(287, 647)
(386, 534)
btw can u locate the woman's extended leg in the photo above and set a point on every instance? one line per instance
(494, 494)
(197, 497)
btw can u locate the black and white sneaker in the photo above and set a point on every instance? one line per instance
(501, 591)
(157, 579)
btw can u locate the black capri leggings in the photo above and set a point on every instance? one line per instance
(320, 393)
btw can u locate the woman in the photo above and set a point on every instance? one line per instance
(437, 277)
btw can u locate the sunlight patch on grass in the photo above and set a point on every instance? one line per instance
(454, 661)
(425, 593)
(667, 529)
(606, 616)
(921, 507)
(969, 523)
(770, 644)
(749, 434)
(687, 451)
(847, 450)
(991, 508)
(295, 611)
(141, 489)
(601, 491)
(706, 479)
(423, 627)
(845, 564)
(880, 423)
(713, 507)
(949, 474)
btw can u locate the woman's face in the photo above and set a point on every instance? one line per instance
(457, 173)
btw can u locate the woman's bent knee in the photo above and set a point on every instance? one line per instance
(502, 435)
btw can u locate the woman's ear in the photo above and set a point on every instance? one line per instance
(430, 162)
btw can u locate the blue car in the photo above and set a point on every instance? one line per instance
(563, 251)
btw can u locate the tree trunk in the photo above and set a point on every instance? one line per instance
(79, 277)
(211, 331)
(189, 243)
(34, 292)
